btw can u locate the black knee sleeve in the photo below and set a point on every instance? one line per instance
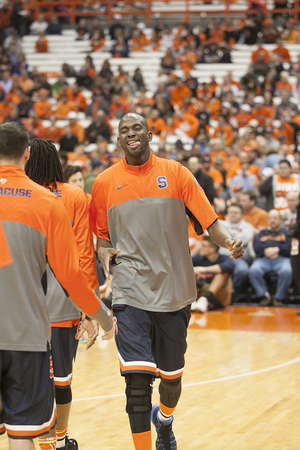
(138, 407)
(169, 392)
(63, 396)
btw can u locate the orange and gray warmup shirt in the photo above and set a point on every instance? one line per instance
(35, 227)
(75, 202)
(142, 211)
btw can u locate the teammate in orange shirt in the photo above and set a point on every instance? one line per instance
(45, 169)
(35, 229)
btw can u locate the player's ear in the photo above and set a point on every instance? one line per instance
(150, 135)
(27, 153)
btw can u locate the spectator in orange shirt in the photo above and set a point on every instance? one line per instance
(75, 127)
(64, 106)
(260, 112)
(42, 44)
(138, 41)
(290, 35)
(53, 132)
(179, 91)
(282, 52)
(34, 125)
(243, 116)
(224, 131)
(118, 106)
(43, 107)
(185, 123)
(25, 83)
(252, 214)
(260, 50)
(214, 173)
(155, 123)
(283, 83)
(77, 97)
(97, 42)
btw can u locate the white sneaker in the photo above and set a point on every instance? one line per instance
(200, 305)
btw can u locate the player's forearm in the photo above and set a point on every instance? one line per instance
(219, 233)
(103, 243)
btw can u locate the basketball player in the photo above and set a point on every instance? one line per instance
(34, 229)
(138, 212)
(44, 168)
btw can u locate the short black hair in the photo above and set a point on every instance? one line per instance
(71, 170)
(14, 139)
(285, 161)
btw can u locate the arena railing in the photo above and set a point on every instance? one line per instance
(148, 8)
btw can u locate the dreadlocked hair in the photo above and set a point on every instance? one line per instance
(44, 165)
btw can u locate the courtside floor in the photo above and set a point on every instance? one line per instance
(241, 386)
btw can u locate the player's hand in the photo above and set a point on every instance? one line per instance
(109, 334)
(92, 329)
(105, 254)
(236, 247)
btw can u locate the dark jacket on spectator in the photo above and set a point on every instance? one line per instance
(267, 238)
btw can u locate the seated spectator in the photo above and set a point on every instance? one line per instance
(82, 30)
(38, 25)
(224, 131)
(155, 123)
(238, 228)
(138, 41)
(56, 87)
(84, 79)
(282, 52)
(25, 83)
(53, 132)
(185, 123)
(260, 112)
(43, 107)
(6, 82)
(25, 105)
(54, 26)
(118, 107)
(286, 105)
(213, 276)
(98, 128)
(272, 247)
(270, 32)
(64, 106)
(260, 51)
(257, 217)
(205, 181)
(68, 71)
(168, 61)
(75, 127)
(290, 34)
(42, 44)
(68, 141)
(179, 91)
(289, 215)
(34, 125)
(97, 41)
(76, 96)
(275, 187)
(214, 173)
(120, 49)
(78, 156)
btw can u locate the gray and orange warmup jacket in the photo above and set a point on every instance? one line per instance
(141, 210)
(35, 228)
(62, 312)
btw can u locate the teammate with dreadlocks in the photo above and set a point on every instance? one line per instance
(44, 167)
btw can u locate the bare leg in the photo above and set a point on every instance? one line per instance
(63, 414)
(21, 444)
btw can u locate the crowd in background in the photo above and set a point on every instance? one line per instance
(240, 137)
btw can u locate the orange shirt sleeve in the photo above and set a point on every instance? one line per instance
(84, 239)
(98, 212)
(63, 258)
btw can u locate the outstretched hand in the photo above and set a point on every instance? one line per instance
(92, 329)
(236, 247)
(109, 334)
(105, 254)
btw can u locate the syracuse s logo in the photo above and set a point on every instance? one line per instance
(162, 182)
(3, 180)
